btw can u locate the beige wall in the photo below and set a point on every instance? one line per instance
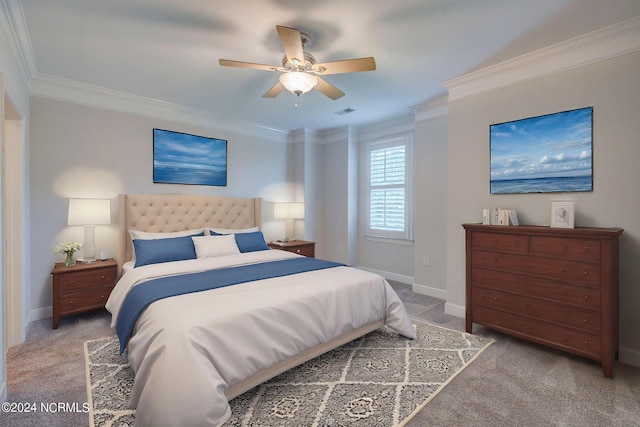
(612, 87)
(430, 231)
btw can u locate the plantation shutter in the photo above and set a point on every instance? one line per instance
(388, 190)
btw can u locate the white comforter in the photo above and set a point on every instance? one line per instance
(189, 349)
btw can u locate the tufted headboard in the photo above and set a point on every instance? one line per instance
(176, 212)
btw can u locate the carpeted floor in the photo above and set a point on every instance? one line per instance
(512, 383)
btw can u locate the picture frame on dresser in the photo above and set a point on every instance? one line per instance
(562, 214)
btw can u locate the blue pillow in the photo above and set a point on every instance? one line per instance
(251, 242)
(164, 250)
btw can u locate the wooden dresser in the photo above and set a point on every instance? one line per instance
(553, 286)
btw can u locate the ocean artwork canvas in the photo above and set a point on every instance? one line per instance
(181, 158)
(543, 154)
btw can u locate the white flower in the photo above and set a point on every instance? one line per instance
(67, 247)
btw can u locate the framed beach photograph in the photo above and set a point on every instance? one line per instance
(543, 154)
(181, 158)
(562, 214)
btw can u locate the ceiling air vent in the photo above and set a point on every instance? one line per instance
(345, 111)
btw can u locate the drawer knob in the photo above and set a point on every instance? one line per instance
(497, 240)
(586, 343)
(586, 248)
(102, 277)
(586, 272)
(564, 246)
(72, 282)
(586, 297)
(481, 277)
(585, 320)
(71, 302)
(298, 250)
(565, 339)
(495, 298)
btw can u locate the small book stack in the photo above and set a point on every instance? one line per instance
(500, 217)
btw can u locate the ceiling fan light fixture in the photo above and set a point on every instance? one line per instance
(298, 82)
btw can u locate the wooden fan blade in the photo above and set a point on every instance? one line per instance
(292, 44)
(274, 91)
(240, 64)
(328, 89)
(346, 66)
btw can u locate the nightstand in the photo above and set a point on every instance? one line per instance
(301, 247)
(82, 287)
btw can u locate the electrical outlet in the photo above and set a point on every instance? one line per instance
(426, 261)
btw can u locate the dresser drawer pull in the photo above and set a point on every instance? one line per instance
(565, 339)
(481, 277)
(585, 320)
(72, 282)
(586, 297)
(102, 277)
(586, 248)
(495, 298)
(586, 272)
(71, 302)
(586, 343)
(564, 246)
(298, 250)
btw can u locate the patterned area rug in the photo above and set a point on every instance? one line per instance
(381, 379)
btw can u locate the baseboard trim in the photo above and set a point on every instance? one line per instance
(629, 356)
(429, 291)
(407, 280)
(455, 310)
(39, 314)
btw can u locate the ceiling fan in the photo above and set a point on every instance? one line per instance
(300, 71)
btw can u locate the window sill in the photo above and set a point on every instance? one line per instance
(391, 240)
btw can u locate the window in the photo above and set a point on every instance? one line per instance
(389, 184)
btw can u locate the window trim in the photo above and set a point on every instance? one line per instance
(405, 237)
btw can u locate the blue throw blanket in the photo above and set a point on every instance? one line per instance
(140, 296)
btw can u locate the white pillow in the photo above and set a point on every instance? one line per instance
(214, 246)
(230, 230)
(146, 235)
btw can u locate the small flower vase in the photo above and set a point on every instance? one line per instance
(69, 260)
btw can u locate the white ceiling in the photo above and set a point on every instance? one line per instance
(168, 50)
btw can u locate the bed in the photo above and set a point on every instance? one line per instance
(193, 352)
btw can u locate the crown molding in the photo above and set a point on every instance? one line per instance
(15, 27)
(431, 110)
(51, 87)
(589, 48)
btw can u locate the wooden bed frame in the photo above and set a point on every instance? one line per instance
(174, 212)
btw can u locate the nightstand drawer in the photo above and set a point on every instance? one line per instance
(83, 301)
(70, 283)
(301, 247)
(307, 250)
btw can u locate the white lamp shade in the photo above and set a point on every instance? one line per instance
(298, 82)
(288, 210)
(89, 212)
(296, 210)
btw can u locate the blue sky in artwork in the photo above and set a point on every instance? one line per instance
(181, 151)
(555, 145)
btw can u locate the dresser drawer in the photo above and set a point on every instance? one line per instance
(569, 271)
(498, 241)
(564, 338)
(86, 280)
(85, 300)
(559, 247)
(535, 308)
(588, 298)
